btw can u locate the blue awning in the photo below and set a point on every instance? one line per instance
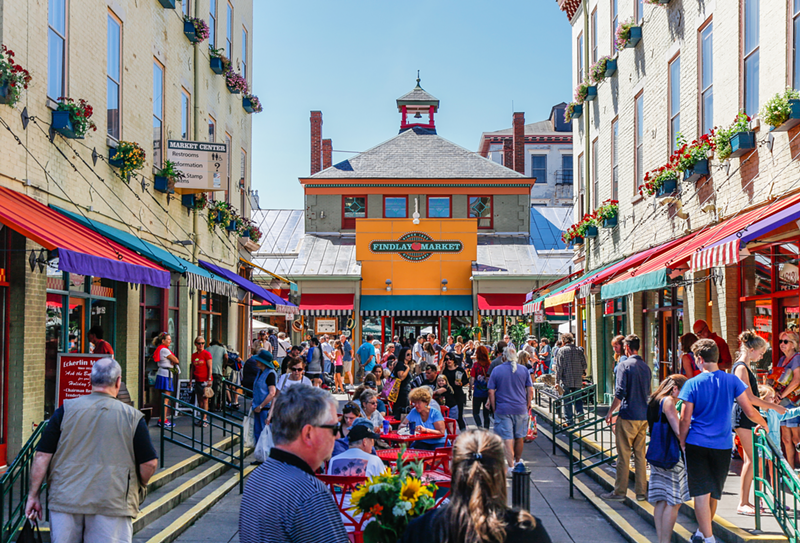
(416, 306)
(281, 305)
(649, 281)
(196, 277)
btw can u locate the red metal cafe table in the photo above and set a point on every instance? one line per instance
(394, 437)
(390, 455)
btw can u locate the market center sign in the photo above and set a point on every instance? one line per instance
(204, 165)
(415, 246)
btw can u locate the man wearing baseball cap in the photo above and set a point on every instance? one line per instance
(359, 459)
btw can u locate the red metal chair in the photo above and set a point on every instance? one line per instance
(341, 487)
(445, 411)
(451, 426)
(441, 460)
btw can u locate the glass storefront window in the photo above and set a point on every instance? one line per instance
(786, 263)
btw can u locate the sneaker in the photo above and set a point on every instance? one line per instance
(612, 496)
(641, 498)
(697, 539)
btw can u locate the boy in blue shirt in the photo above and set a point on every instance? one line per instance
(707, 443)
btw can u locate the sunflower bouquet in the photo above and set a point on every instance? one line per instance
(392, 499)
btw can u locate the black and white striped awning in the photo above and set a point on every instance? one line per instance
(325, 312)
(416, 313)
(499, 312)
(207, 284)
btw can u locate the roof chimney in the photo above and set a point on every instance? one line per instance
(519, 143)
(508, 154)
(327, 153)
(316, 141)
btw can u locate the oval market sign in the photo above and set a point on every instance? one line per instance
(415, 246)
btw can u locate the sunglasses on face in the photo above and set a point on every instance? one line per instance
(298, 370)
(786, 341)
(335, 428)
(199, 342)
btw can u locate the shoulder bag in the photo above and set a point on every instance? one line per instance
(664, 451)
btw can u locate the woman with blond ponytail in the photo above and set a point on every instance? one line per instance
(477, 512)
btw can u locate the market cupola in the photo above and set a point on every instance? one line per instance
(417, 106)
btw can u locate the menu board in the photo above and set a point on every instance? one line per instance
(74, 376)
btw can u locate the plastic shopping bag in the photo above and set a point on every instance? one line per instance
(533, 431)
(248, 431)
(264, 445)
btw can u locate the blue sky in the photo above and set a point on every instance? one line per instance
(352, 59)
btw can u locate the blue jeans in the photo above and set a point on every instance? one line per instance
(259, 423)
(568, 406)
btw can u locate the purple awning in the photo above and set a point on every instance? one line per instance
(97, 266)
(281, 305)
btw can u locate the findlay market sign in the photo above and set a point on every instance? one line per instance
(415, 246)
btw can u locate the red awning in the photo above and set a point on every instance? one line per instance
(79, 249)
(501, 304)
(326, 304)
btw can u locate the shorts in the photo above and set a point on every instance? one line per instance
(707, 470)
(69, 528)
(199, 390)
(511, 426)
(338, 369)
(313, 376)
(348, 366)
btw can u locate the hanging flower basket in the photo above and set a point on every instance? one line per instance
(696, 172)
(13, 77)
(216, 65)
(610, 223)
(591, 93)
(60, 123)
(235, 82)
(591, 232)
(251, 103)
(168, 4)
(196, 30)
(577, 240)
(128, 157)
(628, 35)
(793, 119)
(573, 111)
(669, 186)
(742, 143)
(608, 212)
(5, 93)
(611, 67)
(161, 184)
(233, 225)
(187, 201)
(72, 119)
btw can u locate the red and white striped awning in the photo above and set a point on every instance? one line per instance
(724, 254)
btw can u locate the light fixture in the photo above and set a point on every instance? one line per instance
(184, 242)
(388, 285)
(444, 285)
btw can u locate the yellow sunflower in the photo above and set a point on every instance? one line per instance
(412, 490)
(356, 496)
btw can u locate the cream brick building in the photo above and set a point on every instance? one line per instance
(192, 103)
(746, 52)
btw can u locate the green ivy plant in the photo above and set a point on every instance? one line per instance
(777, 110)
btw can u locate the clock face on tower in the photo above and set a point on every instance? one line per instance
(415, 246)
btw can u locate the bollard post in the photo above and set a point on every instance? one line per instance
(521, 487)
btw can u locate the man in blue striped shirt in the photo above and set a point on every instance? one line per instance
(283, 501)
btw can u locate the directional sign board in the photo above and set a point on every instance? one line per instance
(204, 165)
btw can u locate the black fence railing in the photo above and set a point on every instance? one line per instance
(564, 177)
(240, 399)
(201, 439)
(14, 487)
(591, 445)
(565, 414)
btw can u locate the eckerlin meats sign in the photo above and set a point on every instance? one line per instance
(415, 246)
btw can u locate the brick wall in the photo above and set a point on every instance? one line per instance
(316, 141)
(519, 143)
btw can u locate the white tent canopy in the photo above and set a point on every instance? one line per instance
(258, 326)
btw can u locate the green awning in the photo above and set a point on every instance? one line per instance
(416, 306)
(649, 281)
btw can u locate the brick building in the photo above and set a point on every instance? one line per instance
(719, 246)
(81, 245)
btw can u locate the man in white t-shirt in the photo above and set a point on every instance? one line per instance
(327, 353)
(283, 347)
(417, 353)
(358, 460)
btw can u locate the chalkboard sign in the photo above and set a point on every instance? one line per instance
(186, 394)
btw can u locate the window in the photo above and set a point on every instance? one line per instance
(614, 23)
(394, 207)
(480, 207)
(595, 196)
(796, 44)
(439, 207)
(614, 159)
(355, 207)
(185, 7)
(566, 170)
(674, 102)
(751, 50)
(580, 58)
(158, 113)
(229, 32)
(638, 6)
(594, 36)
(114, 73)
(638, 133)
(186, 113)
(56, 49)
(212, 25)
(539, 168)
(212, 129)
(211, 320)
(707, 77)
(244, 53)
(580, 204)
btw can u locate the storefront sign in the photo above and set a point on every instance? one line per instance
(538, 317)
(204, 165)
(325, 326)
(415, 246)
(74, 376)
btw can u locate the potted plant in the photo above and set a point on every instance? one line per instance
(737, 134)
(587, 228)
(168, 4)
(166, 177)
(196, 30)
(608, 212)
(251, 103)
(233, 225)
(128, 157)
(255, 233)
(72, 119)
(235, 82)
(219, 212)
(201, 201)
(392, 499)
(657, 2)
(571, 236)
(628, 35)
(604, 67)
(782, 111)
(661, 181)
(189, 201)
(13, 77)
(218, 61)
(692, 158)
(574, 111)
(584, 92)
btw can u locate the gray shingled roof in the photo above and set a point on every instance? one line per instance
(418, 154)
(418, 95)
(513, 255)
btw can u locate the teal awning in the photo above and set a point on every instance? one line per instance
(196, 277)
(649, 281)
(416, 306)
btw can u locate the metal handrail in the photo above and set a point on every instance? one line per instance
(585, 395)
(15, 485)
(204, 443)
(776, 483)
(246, 393)
(583, 456)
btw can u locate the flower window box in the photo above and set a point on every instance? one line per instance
(611, 67)
(187, 201)
(113, 160)
(233, 90)
(696, 172)
(578, 240)
(216, 65)
(245, 234)
(5, 93)
(669, 186)
(591, 232)
(233, 225)
(168, 4)
(591, 93)
(577, 111)
(191, 32)
(161, 184)
(635, 37)
(794, 117)
(247, 104)
(742, 143)
(62, 124)
(611, 222)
